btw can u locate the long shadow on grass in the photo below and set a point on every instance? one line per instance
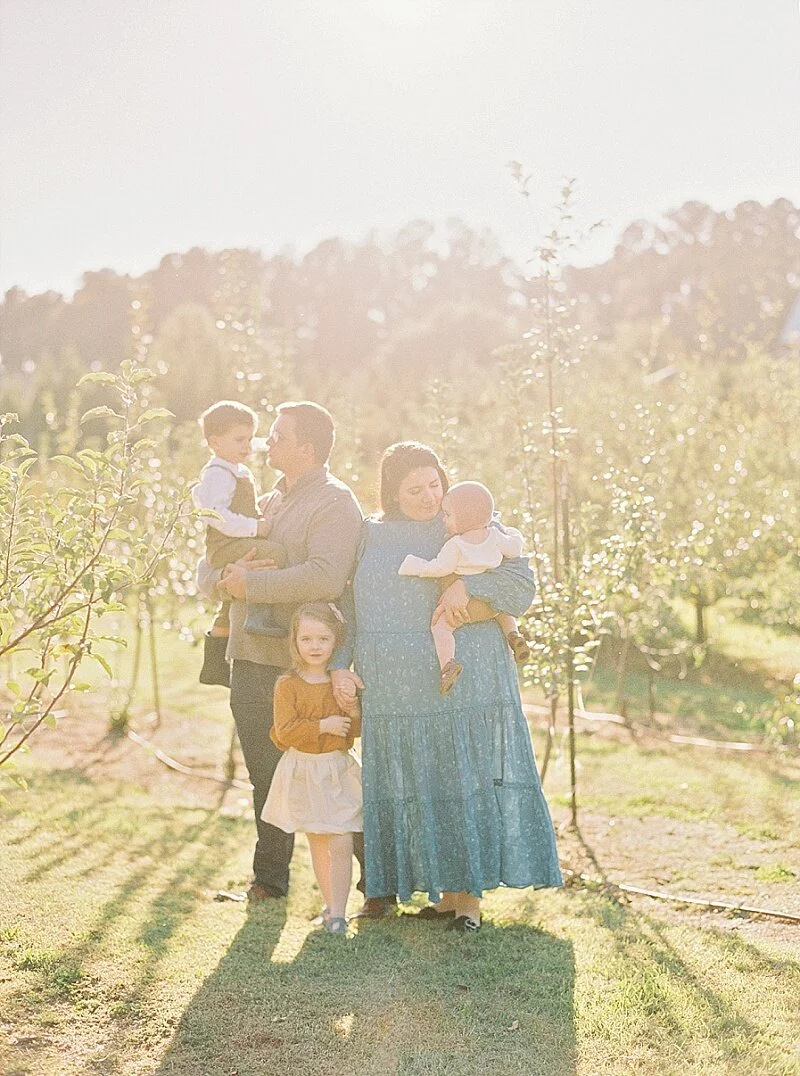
(114, 825)
(403, 997)
(161, 862)
(669, 997)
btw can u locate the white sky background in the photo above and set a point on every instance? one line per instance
(135, 128)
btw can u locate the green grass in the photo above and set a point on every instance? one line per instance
(747, 669)
(115, 958)
(756, 795)
(753, 645)
(709, 700)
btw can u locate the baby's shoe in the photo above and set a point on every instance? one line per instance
(450, 673)
(519, 646)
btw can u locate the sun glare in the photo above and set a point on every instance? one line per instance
(404, 14)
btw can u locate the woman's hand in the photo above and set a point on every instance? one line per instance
(453, 605)
(345, 684)
(336, 724)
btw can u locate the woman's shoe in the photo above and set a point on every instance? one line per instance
(336, 924)
(450, 673)
(429, 912)
(465, 925)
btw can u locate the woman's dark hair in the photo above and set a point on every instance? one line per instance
(398, 461)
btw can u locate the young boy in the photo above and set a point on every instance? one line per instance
(227, 488)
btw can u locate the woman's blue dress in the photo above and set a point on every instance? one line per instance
(452, 798)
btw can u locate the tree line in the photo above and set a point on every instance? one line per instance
(422, 302)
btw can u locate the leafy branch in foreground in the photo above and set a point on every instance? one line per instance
(72, 546)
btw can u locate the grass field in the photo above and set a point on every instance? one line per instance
(115, 957)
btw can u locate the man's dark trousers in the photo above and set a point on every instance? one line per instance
(252, 694)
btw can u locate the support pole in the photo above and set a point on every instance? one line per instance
(570, 662)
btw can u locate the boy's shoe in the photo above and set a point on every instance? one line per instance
(260, 621)
(216, 669)
(519, 646)
(450, 673)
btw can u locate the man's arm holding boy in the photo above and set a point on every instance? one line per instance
(332, 537)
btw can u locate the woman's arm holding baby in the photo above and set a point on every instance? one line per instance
(507, 589)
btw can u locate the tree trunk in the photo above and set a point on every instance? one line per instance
(622, 668)
(699, 621)
(154, 661)
(651, 694)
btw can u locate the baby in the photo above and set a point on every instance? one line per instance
(475, 547)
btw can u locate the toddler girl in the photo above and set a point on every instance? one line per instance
(317, 782)
(476, 546)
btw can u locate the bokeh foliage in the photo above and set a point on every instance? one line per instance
(648, 398)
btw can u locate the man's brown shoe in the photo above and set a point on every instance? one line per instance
(257, 893)
(376, 908)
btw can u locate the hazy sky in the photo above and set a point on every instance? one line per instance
(133, 128)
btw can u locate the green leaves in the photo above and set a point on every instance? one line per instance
(78, 533)
(154, 413)
(100, 412)
(98, 378)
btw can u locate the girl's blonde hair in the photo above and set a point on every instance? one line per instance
(326, 613)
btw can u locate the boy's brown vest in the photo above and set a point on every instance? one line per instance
(243, 503)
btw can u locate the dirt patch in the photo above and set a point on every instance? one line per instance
(702, 860)
(83, 743)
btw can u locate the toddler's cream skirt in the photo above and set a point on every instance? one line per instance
(316, 793)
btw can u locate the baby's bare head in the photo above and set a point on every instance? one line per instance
(467, 506)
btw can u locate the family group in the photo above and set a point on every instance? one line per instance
(399, 629)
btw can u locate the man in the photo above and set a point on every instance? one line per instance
(318, 522)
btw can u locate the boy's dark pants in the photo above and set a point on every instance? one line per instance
(252, 692)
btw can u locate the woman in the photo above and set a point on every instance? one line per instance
(452, 800)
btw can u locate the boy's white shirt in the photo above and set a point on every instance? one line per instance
(458, 557)
(215, 492)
